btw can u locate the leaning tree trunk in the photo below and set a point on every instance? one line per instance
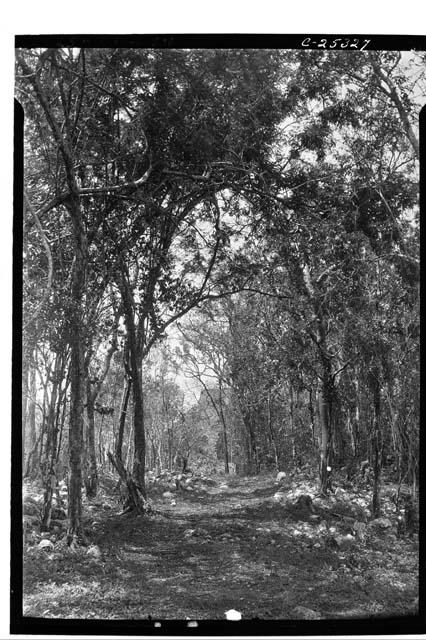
(135, 501)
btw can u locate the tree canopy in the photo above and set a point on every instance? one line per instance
(243, 218)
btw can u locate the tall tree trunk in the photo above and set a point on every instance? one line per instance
(91, 476)
(25, 393)
(133, 500)
(139, 428)
(326, 390)
(92, 392)
(49, 463)
(75, 436)
(169, 447)
(136, 480)
(325, 401)
(272, 434)
(101, 447)
(377, 447)
(292, 434)
(32, 461)
(325, 442)
(312, 421)
(225, 431)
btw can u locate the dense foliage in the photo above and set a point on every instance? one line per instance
(220, 265)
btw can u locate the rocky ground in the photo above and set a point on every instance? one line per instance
(266, 548)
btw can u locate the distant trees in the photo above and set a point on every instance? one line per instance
(334, 264)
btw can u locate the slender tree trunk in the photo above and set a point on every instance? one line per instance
(225, 434)
(136, 481)
(139, 430)
(101, 447)
(325, 394)
(32, 461)
(391, 91)
(133, 499)
(292, 434)
(377, 448)
(49, 463)
(272, 434)
(325, 401)
(91, 476)
(59, 467)
(26, 391)
(75, 436)
(312, 420)
(130, 446)
(159, 456)
(169, 447)
(325, 444)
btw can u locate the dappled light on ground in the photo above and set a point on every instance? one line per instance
(234, 547)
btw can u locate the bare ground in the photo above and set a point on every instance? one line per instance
(220, 548)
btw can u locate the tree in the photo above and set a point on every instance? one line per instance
(138, 166)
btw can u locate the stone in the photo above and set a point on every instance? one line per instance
(345, 541)
(45, 544)
(381, 523)
(94, 552)
(359, 528)
(279, 497)
(305, 613)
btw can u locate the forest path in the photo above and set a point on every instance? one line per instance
(230, 546)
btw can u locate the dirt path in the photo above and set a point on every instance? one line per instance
(221, 548)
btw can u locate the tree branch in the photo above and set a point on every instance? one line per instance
(49, 259)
